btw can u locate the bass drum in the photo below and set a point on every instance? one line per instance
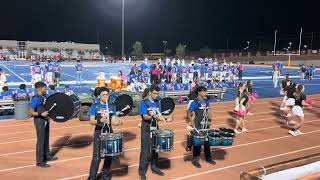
(62, 106)
(123, 102)
(167, 105)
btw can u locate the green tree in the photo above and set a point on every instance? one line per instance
(205, 51)
(168, 52)
(137, 49)
(181, 50)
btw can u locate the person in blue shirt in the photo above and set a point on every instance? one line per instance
(101, 116)
(37, 70)
(198, 120)
(6, 94)
(280, 66)
(22, 93)
(149, 108)
(143, 67)
(79, 69)
(42, 124)
(49, 72)
(51, 90)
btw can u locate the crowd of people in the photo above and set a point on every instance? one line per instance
(173, 75)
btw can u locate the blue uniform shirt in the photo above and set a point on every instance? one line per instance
(22, 93)
(143, 67)
(6, 95)
(143, 110)
(37, 69)
(78, 67)
(36, 101)
(49, 67)
(193, 105)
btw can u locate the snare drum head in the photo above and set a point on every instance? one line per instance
(121, 101)
(167, 105)
(164, 132)
(66, 106)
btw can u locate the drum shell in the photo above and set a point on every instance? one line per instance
(111, 144)
(163, 142)
(227, 140)
(198, 139)
(214, 139)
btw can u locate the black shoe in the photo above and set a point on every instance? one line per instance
(210, 161)
(196, 163)
(156, 170)
(51, 158)
(43, 165)
(143, 177)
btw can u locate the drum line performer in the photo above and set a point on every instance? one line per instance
(42, 125)
(199, 116)
(148, 111)
(101, 114)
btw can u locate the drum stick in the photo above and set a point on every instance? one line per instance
(54, 105)
(196, 130)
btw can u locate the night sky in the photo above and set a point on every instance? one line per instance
(196, 23)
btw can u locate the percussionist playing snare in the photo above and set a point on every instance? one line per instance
(149, 111)
(101, 114)
(199, 116)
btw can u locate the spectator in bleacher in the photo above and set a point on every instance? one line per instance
(22, 93)
(79, 69)
(154, 72)
(6, 94)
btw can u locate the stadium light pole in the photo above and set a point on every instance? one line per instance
(164, 46)
(122, 52)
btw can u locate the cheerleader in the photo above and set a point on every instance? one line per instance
(241, 101)
(252, 96)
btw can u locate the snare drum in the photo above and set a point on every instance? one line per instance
(228, 131)
(226, 140)
(214, 139)
(227, 136)
(111, 144)
(198, 139)
(162, 140)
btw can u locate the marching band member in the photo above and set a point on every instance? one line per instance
(42, 124)
(149, 111)
(101, 115)
(199, 116)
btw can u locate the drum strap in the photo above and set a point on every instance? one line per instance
(204, 121)
(153, 120)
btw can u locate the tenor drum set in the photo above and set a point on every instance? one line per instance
(214, 137)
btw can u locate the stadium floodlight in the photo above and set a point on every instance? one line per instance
(122, 51)
(248, 44)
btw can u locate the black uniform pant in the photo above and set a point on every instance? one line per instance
(146, 152)
(197, 151)
(96, 159)
(42, 147)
